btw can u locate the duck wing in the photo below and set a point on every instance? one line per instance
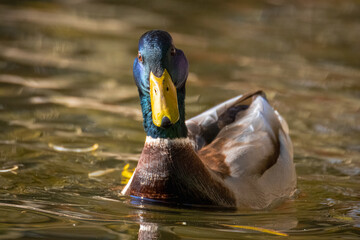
(203, 128)
(240, 136)
(246, 142)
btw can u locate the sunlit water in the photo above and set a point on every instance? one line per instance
(66, 84)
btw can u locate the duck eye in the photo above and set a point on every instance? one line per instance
(139, 57)
(173, 51)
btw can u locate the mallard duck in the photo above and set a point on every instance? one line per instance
(236, 154)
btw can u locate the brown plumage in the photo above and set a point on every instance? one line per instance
(171, 171)
(237, 154)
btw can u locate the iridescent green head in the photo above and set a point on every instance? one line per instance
(160, 71)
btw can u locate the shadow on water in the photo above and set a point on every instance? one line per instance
(71, 126)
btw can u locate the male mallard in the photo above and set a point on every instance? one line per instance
(237, 154)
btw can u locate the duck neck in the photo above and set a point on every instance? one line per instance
(170, 170)
(178, 130)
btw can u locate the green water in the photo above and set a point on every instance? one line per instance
(66, 80)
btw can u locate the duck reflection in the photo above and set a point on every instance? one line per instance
(160, 221)
(149, 231)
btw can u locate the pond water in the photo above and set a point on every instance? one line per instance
(71, 127)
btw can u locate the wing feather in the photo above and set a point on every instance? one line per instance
(246, 142)
(204, 127)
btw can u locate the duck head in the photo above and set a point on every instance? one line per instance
(160, 72)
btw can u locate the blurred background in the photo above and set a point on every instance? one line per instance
(71, 126)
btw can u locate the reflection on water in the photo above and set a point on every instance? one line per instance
(66, 83)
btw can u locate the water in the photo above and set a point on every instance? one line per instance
(66, 83)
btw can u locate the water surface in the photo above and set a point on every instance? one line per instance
(66, 83)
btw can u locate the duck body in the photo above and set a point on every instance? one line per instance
(171, 171)
(236, 154)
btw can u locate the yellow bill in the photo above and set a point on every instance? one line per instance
(163, 99)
